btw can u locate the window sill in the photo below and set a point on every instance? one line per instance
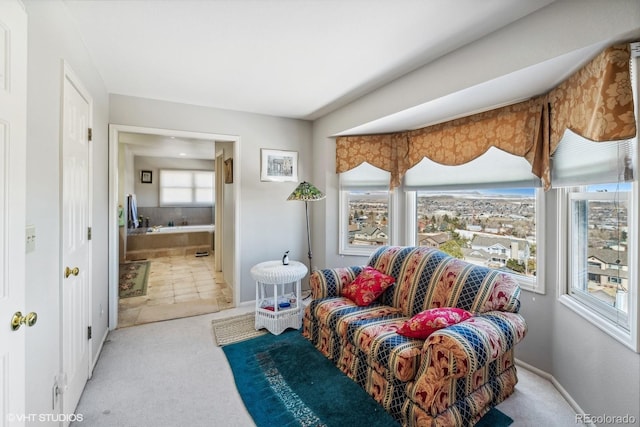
(364, 252)
(600, 322)
(526, 286)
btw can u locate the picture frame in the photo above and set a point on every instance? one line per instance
(278, 165)
(146, 177)
(228, 171)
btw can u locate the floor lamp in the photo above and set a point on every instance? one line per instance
(307, 192)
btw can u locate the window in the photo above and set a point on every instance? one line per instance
(480, 213)
(598, 244)
(601, 242)
(495, 228)
(186, 188)
(365, 214)
(598, 226)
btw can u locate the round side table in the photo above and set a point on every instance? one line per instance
(280, 310)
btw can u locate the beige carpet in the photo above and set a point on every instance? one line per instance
(235, 329)
(193, 385)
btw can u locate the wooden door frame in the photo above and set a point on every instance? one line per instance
(114, 131)
(219, 210)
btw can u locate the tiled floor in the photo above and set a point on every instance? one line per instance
(178, 286)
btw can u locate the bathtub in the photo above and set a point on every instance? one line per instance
(182, 229)
(170, 241)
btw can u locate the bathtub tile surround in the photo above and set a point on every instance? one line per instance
(178, 286)
(163, 241)
(162, 216)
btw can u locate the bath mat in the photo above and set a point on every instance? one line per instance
(234, 329)
(133, 279)
(284, 381)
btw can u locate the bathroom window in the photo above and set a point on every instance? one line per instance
(186, 187)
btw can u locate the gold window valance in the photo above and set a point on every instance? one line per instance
(596, 102)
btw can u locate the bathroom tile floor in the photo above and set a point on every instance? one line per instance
(178, 286)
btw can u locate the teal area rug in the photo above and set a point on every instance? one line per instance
(284, 381)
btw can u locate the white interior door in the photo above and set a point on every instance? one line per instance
(13, 125)
(76, 246)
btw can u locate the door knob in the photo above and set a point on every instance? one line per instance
(18, 320)
(68, 271)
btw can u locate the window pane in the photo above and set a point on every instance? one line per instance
(171, 178)
(203, 179)
(494, 228)
(368, 218)
(186, 187)
(204, 195)
(175, 195)
(599, 256)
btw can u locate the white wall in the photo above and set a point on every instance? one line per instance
(602, 375)
(51, 39)
(268, 225)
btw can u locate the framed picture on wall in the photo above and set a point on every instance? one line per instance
(228, 171)
(278, 165)
(146, 177)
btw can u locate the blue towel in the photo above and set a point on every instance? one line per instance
(133, 210)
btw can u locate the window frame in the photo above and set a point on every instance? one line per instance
(537, 284)
(595, 312)
(193, 188)
(343, 241)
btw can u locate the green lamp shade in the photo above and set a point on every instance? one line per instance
(306, 192)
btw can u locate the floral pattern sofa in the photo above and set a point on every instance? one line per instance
(454, 376)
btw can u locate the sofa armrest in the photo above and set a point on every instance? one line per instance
(460, 350)
(329, 282)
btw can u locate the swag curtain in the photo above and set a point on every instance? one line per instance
(596, 102)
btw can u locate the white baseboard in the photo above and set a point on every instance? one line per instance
(547, 376)
(247, 304)
(97, 355)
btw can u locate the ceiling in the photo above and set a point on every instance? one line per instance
(140, 144)
(288, 58)
(298, 58)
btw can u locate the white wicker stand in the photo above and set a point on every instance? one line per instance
(280, 310)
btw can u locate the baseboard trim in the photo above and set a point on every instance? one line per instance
(247, 303)
(97, 356)
(547, 376)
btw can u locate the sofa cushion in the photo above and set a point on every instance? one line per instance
(379, 340)
(338, 312)
(372, 330)
(367, 286)
(427, 322)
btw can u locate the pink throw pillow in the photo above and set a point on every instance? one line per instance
(367, 286)
(427, 322)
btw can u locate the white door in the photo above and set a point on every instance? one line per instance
(76, 246)
(13, 125)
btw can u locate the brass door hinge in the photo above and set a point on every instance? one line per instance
(90, 134)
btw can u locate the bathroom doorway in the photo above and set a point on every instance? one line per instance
(163, 256)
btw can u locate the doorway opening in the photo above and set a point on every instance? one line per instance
(163, 261)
